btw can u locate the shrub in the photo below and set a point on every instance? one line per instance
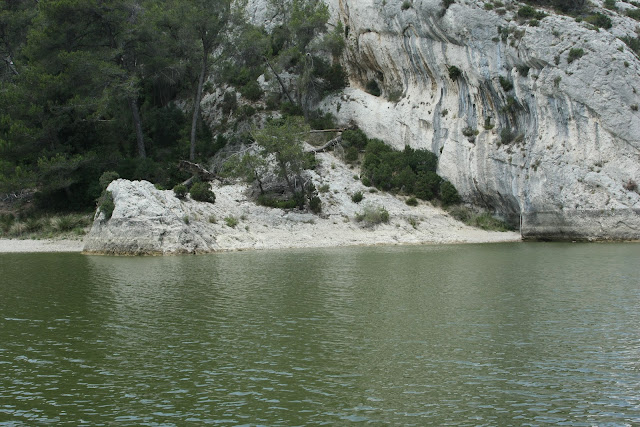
(610, 4)
(351, 155)
(270, 202)
(599, 20)
(630, 185)
(574, 53)
(323, 188)
(483, 220)
(201, 192)
(315, 204)
(229, 102)
(6, 221)
(354, 138)
(506, 84)
(412, 201)
(373, 215)
(454, 72)
(357, 197)
(231, 221)
(180, 191)
(526, 12)
(106, 178)
(447, 3)
(106, 204)
(427, 185)
(469, 131)
(633, 13)
(251, 91)
(64, 223)
(406, 4)
(373, 88)
(507, 136)
(448, 194)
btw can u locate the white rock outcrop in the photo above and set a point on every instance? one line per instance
(575, 156)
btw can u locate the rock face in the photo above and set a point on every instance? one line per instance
(147, 221)
(532, 128)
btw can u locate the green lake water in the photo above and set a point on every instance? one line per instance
(503, 334)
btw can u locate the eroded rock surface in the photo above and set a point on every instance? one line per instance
(574, 157)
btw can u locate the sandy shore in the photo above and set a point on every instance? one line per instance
(45, 245)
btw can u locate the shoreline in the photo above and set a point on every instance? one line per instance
(40, 246)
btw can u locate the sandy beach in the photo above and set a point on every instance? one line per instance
(44, 245)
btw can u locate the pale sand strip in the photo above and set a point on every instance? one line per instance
(45, 245)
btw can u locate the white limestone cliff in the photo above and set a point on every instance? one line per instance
(570, 171)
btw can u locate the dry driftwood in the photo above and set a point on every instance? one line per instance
(196, 170)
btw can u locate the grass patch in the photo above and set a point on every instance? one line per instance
(45, 227)
(373, 215)
(482, 220)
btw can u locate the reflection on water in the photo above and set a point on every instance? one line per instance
(473, 334)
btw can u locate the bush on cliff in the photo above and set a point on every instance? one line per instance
(201, 192)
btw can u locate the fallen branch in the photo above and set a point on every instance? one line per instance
(196, 170)
(331, 143)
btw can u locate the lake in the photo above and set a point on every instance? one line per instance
(498, 334)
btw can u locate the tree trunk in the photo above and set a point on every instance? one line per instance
(284, 89)
(196, 102)
(11, 65)
(137, 123)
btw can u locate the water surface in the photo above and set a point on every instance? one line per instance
(504, 334)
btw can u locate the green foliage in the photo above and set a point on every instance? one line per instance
(448, 194)
(373, 215)
(334, 41)
(600, 20)
(633, 13)
(610, 4)
(106, 204)
(410, 171)
(106, 178)
(351, 154)
(180, 191)
(231, 221)
(357, 197)
(373, 88)
(201, 191)
(333, 76)
(354, 138)
(412, 201)
(447, 3)
(574, 53)
(482, 220)
(454, 72)
(507, 136)
(272, 202)
(406, 4)
(315, 204)
(526, 12)
(307, 20)
(506, 84)
(251, 91)
(319, 120)
(283, 139)
(633, 43)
